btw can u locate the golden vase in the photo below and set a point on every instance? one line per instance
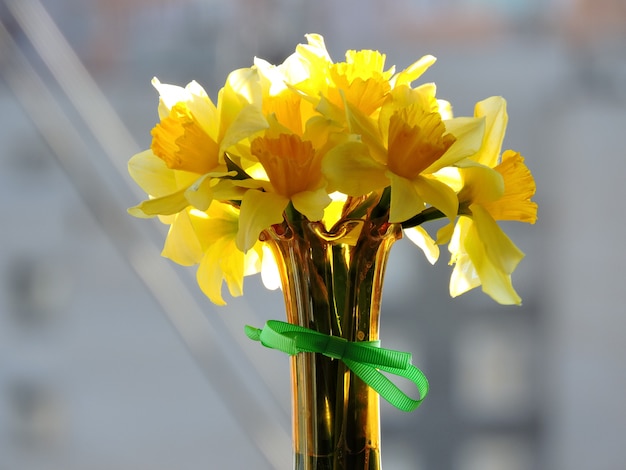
(332, 283)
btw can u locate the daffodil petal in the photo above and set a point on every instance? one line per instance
(182, 245)
(153, 176)
(329, 110)
(242, 86)
(218, 221)
(444, 234)
(315, 49)
(501, 250)
(203, 109)
(249, 121)
(413, 71)
(445, 109)
(495, 282)
(270, 274)
(464, 276)
(195, 98)
(450, 176)
(221, 263)
(311, 203)
(367, 131)
(253, 259)
(350, 169)
(469, 134)
(420, 237)
(519, 187)
(166, 205)
(405, 199)
(481, 184)
(242, 90)
(200, 194)
(438, 195)
(496, 118)
(169, 95)
(259, 210)
(209, 187)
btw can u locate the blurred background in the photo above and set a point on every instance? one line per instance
(110, 358)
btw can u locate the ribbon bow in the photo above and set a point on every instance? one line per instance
(364, 358)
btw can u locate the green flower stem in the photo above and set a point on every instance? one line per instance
(425, 216)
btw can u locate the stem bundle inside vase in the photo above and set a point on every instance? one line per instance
(332, 283)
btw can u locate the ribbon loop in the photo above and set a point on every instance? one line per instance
(365, 359)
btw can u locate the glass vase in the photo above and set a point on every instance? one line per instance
(332, 283)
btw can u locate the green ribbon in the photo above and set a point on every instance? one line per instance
(364, 358)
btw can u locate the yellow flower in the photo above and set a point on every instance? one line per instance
(181, 142)
(282, 103)
(403, 149)
(192, 138)
(361, 80)
(481, 252)
(207, 238)
(171, 191)
(293, 168)
(165, 186)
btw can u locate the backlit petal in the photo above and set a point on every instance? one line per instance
(464, 277)
(270, 275)
(496, 118)
(169, 95)
(481, 184)
(166, 205)
(182, 245)
(413, 71)
(420, 237)
(311, 204)
(259, 210)
(438, 195)
(154, 177)
(502, 252)
(495, 282)
(248, 122)
(469, 135)
(221, 263)
(405, 199)
(367, 131)
(350, 169)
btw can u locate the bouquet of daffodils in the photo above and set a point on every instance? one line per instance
(331, 142)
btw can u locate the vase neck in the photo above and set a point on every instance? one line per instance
(332, 283)
(329, 280)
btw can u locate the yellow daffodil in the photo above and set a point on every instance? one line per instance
(192, 138)
(281, 103)
(293, 168)
(361, 80)
(403, 150)
(207, 239)
(481, 252)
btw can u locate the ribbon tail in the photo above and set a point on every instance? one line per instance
(387, 389)
(253, 333)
